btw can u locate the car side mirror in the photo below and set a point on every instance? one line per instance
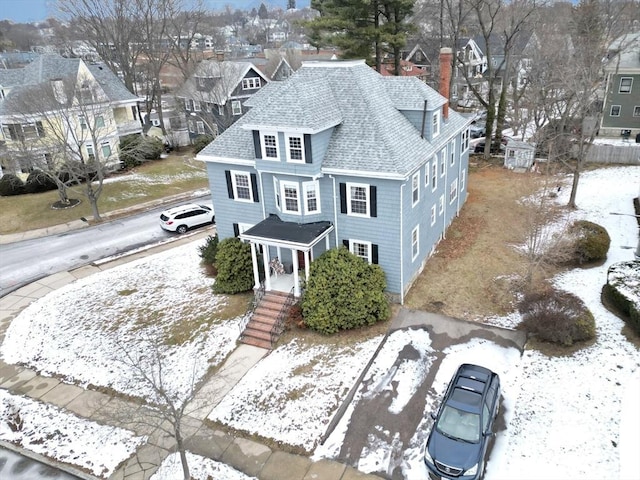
(488, 433)
(433, 415)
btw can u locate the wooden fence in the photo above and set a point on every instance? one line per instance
(614, 154)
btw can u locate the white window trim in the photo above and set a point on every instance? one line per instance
(435, 124)
(368, 200)
(434, 175)
(283, 199)
(453, 191)
(90, 148)
(276, 189)
(220, 110)
(442, 156)
(105, 144)
(636, 111)
(465, 141)
(611, 110)
(433, 215)
(452, 153)
(361, 242)
(415, 189)
(196, 106)
(306, 186)
(463, 178)
(630, 86)
(415, 242)
(441, 207)
(200, 127)
(251, 83)
(234, 104)
(287, 139)
(234, 173)
(264, 149)
(187, 104)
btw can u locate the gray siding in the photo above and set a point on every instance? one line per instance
(626, 101)
(415, 117)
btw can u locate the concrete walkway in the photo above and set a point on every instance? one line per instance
(248, 456)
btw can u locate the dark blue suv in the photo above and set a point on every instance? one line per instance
(460, 434)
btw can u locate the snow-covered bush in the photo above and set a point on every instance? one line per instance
(623, 290)
(557, 317)
(590, 242)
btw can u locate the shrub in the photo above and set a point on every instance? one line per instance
(235, 270)
(200, 142)
(11, 184)
(38, 181)
(343, 292)
(208, 250)
(136, 149)
(557, 317)
(591, 242)
(623, 290)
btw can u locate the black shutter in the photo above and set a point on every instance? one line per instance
(343, 198)
(346, 243)
(307, 149)
(236, 230)
(256, 143)
(229, 184)
(254, 187)
(374, 202)
(374, 254)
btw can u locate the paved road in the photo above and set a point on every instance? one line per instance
(17, 467)
(26, 261)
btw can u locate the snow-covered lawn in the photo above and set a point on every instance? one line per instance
(200, 468)
(566, 417)
(54, 433)
(93, 330)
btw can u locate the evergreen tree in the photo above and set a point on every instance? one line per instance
(263, 12)
(291, 4)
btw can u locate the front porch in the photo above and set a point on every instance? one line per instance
(286, 250)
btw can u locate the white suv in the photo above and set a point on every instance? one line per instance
(182, 218)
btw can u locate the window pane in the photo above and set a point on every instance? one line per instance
(242, 187)
(359, 200)
(270, 148)
(361, 250)
(290, 198)
(295, 148)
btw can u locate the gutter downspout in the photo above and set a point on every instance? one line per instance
(401, 246)
(446, 201)
(424, 119)
(264, 211)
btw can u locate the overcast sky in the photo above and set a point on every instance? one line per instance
(22, 11)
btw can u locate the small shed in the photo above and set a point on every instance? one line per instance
(519, 155)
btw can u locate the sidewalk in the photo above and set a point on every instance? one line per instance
(247, 456)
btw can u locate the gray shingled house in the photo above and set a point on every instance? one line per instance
(340, 155)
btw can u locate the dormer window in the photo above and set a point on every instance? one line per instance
(295, 148)
(269, 144)
(436, 124)
(250, 83)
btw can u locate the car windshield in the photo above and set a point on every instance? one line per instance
(459, 425)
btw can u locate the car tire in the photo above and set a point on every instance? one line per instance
(182, 229)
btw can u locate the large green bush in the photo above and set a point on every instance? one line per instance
(235, 270)
(11, 184)
(623, 291)
(343, 292)
(200, 142)
(557, 317)
(591, 242)
(209, 249)
(38, 181)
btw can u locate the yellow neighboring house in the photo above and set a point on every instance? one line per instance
(57, 111)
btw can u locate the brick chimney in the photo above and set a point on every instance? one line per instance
(446, 57)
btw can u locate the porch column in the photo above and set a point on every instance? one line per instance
(307, 261)
(254, 263)
(296, 277)
(267, 271)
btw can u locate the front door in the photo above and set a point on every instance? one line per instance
(301, 264)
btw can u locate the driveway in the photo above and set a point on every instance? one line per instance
(375, 419)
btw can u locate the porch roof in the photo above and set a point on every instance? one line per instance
(272, 230)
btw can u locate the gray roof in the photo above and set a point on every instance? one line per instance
(49, 67)
(625, 54)
(371, 135)
(113, 87)
(273, 227)
(229, 73)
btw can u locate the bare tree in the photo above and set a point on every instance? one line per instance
(70, 123)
